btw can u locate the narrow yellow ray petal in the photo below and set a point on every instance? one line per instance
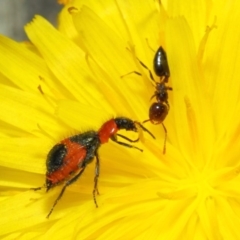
(27, 65)
(228, 219)
(120, 104)
(109, 14)
(140, 31)
(222, 58)
(128, 227)
(196, 14)
(77, 115)
(26, 111)
(25, 150)
(125, 19)
(16, 210)
(65, 23)
(109, 45)
(13, 178)
(64, 58)
(207, 215)
(186, 84)
(8, 130)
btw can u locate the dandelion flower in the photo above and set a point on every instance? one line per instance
(69, 81)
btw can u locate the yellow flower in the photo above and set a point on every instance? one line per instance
(68, 81)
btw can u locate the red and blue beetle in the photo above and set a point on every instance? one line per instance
(68, 159)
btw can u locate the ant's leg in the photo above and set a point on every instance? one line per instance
(165, 139)
(135, 72)
(143, 65)
(150, 73)
(95, 188)
(124, 144)
(72, 180)
(155, 94)
(168, 106)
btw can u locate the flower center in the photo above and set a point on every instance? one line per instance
(202, 184)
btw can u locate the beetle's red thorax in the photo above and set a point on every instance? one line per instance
(107, 130)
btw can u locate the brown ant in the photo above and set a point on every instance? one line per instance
(159, 109)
